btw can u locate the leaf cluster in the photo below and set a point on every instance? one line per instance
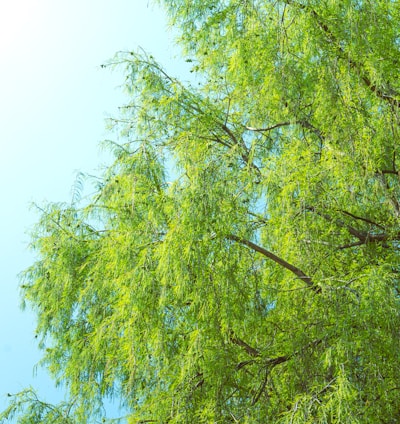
(239, 261)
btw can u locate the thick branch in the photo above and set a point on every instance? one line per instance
(239, 342)
(245, 151)
(296, 271)
(378, 91)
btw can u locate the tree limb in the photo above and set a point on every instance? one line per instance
(272, 127)
(368, 221)
(302, 122)
(296, 271)
(239, 342)
(364, 237)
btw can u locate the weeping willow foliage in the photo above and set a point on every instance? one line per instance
(239, 261)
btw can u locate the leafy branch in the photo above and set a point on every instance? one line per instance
(296, 271)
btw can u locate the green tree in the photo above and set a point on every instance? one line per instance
(239, 261)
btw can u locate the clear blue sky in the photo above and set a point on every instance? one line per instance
(54, 98)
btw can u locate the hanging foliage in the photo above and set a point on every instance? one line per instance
(239, 261)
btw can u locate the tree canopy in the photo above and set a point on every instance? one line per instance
(239, 260)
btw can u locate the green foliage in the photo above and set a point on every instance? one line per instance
(239, 261)
(29, 409)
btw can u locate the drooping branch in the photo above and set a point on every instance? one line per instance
(296, 271)
(379, 92)
(364, 237)
(268, 364)
(271, 363)
(388, 95)
(360, 218)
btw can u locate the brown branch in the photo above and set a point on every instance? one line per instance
(364, 237)
(309, 126)
(261, 389)
(395, 203)
(296, 271)
(374, 88)
(368, 221)
(245, 151)
(230, 134)
(271, 363)
(302, 122)
(361, 235)
(281, 124)
(347, 246)
(243, 364)
(388, 171)
(217, 140)
(239, 342)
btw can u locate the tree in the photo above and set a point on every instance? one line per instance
(239, 261)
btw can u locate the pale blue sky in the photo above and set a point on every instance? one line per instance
(53, 101)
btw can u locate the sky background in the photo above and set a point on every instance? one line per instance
(54, 98)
